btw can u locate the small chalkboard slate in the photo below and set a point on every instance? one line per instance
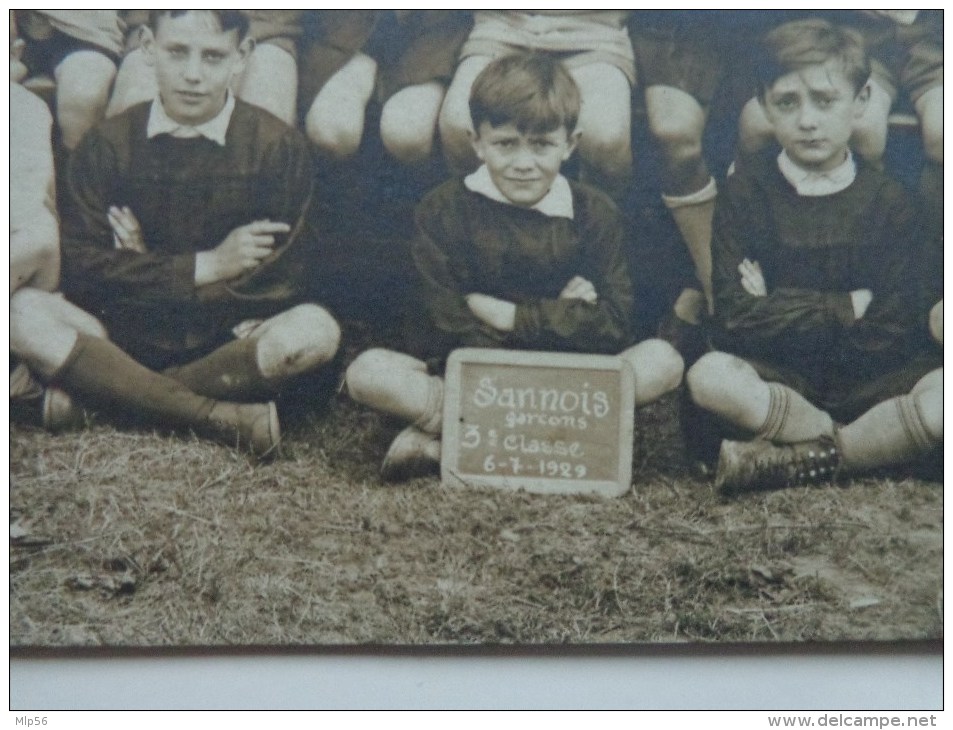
(551, 423)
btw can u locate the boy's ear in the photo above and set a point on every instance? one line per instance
(148, 41)
(860, 101)
(475, 143)
(572, 143)
(246, 47)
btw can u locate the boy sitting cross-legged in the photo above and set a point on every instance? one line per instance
(512, 256)
(186, 238)
(817, 296)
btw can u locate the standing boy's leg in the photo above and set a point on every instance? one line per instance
(83, 80)
(677, 121)
(409, 121)
(135, 83)
(455, 122)
(605, 119)
(270, 81)
(335, 119)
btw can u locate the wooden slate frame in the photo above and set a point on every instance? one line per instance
(573, 364)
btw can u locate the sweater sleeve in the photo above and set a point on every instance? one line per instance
(94, 271)
(285, 188)
(787, 319)
(442, 273)
(602, 326)
(888, 329)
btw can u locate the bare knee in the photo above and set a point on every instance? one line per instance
(658, 369)
(677, 123)
(714, 376)
(408, 122)
(335, 131)
(366, 375)
(606, 146)
(455, 127)
(83, 82)
(306, 337)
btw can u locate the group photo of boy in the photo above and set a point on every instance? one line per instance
(245, 243)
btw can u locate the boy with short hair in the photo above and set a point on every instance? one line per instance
(188, 235)
(816, 256)
(595, 47)
(512, 256)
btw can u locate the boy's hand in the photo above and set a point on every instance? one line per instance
(861, 299)
(497, 313)
(579, 288)
(127, 233)
(242, 250)
(752, 280)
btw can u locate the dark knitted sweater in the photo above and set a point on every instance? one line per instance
(813, 252)
(467, 243)
(188, 195)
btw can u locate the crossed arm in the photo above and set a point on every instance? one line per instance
(242, 250)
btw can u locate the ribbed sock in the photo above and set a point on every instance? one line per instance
(892, 432)
(431, 420)
(792, 418)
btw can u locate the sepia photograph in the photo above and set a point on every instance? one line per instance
(490, 328)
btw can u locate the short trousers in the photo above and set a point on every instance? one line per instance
(417, 46)
(575, 41)
(685, 61)
(906, 57)
(331, 39)
(282, 28)
(848, 400)
(42, 57)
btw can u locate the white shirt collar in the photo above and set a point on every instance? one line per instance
(214, 129)
(815, 184)
(557, 203)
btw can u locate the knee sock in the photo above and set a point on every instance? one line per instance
(892, 432)
(693, 215)
(102, 375)
(431, 420)
(792, 418)
(229, 373)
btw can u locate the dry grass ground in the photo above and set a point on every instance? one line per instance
(134, 539)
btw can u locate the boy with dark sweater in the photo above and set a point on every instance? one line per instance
(818, 298)
(185, 237)
(511, 256)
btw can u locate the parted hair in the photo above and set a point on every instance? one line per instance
(227, 19)
(801, 43)
(533, 91)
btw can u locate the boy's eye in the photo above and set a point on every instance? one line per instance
(213, 56)
(786, 103)
(541, 145)
(176, 52)
(824, 101)
(506, 143)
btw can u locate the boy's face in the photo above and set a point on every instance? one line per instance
(813, 112)
(195, 61)
(523, 166)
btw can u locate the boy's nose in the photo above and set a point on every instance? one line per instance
(193, 69)
(807, 117)
(523, 158)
